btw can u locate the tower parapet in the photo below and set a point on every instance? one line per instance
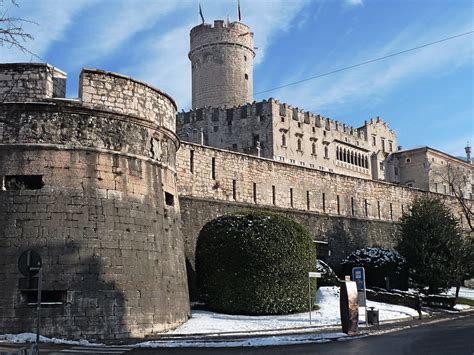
(222, 64)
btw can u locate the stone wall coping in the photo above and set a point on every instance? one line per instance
(246, 206)
(76, 105)
(122, 76)
(32, 65)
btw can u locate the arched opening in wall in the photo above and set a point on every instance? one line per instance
(344, 156)
(366, 162)
(337, 153)
(352, 158)
(246, 76)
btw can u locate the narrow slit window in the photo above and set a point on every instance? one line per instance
(254, 192)
(191, 161)
(213, 168)
(234, 189)
(366, 208)
(308, 201)
(273, 195)
(378, 209)
(338, 200)
(352, 206)
(324, 202)
(391, 211)
(291, 196)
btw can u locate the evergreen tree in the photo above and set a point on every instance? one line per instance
(432, 243)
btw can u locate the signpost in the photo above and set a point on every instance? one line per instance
(29, 264)
(310, 276)
(358, 275)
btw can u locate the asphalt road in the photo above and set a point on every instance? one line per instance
(454, 336)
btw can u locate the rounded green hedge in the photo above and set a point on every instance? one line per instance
(255, 263)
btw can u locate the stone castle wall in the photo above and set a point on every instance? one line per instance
(92, 189)
(288, 134)
(347, 212)
(30, 82)
(222, 64)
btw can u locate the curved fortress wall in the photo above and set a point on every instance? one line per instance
(91, 186)
(222, 64)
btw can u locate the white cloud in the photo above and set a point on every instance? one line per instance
(354, 2)
(374, 81)
(52, 20)
(166, 64)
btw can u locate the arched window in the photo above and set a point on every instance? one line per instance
(299, 144)
(283, 140)
(352, 157)
(337, 153)
(359, 162)
(313, 149)
(344, 156)
(366, 162)
(326, 152)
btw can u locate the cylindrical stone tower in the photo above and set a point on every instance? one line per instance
(90, 185)
(222, 64)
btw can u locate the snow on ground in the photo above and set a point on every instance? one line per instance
(31, 338)
(260, 341)
(204, 322)
(465, 292)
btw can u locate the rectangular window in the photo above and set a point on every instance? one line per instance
(374, 141)
(381, 166)
(254, 192)
(234, 190)
(324, 202)
(273, 195)
(215, 128)
(390, 146)
(291, 197)
(338, 204)
(169, 199)
(50, 298)
(213, 168)
(23, 182)
(191, 161)
(243, 111)
(396, 171)
(383, 144)
(308, 201)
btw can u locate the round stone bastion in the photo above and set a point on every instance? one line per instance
(90, 185)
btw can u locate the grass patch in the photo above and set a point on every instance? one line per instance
(467, 301)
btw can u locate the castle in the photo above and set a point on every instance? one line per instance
(113, 199)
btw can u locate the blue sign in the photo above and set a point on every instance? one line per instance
(358, 275)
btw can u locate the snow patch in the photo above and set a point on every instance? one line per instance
(31, 338)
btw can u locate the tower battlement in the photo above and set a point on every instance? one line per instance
(221, 56)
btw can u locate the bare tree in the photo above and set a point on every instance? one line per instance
(459, 185)
(12, 33)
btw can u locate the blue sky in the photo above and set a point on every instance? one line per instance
(426, 96)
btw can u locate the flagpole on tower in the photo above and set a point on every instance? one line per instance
(200, 11)
(238, 11)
